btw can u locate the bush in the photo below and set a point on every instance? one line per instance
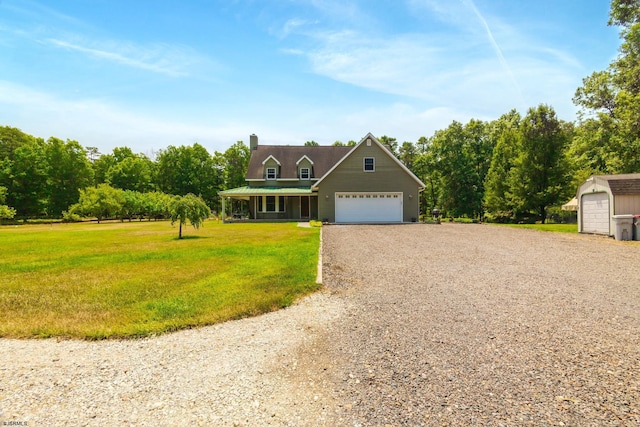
(70, 216)
(500, 217)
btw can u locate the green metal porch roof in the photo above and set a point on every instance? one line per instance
(266, 191)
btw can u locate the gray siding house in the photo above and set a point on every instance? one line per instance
(365, 183)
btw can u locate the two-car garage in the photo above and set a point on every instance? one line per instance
(368, 207)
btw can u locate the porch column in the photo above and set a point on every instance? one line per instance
(223, 215)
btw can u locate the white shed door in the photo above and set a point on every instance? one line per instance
(595, 213)
(368, 207)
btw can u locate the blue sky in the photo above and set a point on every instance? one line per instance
(152, 73)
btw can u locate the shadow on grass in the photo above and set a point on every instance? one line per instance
(191, 237)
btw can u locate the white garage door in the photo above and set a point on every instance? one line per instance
(595, 213)
(368, 207)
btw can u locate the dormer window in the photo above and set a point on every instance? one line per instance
(271, 173)
(304, 173)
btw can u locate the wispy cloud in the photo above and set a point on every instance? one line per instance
(496, 48)
(473, 67)
(171, 60)
(47, 27)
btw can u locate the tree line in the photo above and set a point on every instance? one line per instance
(44, 179)
(509, 169)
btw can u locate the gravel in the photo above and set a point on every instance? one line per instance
(452, 324)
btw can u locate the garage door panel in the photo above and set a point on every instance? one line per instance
(595, 213)
(368, 207)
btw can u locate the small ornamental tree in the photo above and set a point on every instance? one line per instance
(101, 202)
(189, 207)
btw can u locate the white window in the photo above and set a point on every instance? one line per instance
(304, 173)
(271, 173)
(369, 164)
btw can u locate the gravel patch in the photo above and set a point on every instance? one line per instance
(448, 324)
(482, 325)
(232, 374)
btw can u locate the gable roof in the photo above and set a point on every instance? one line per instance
(322, 157)
(386, 151)
(273, 158)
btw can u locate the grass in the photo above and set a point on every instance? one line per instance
(555, 228)
(126, 280)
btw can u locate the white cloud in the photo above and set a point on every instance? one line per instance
(486, 66)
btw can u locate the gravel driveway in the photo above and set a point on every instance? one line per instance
(418, 325)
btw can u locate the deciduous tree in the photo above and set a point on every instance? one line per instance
(69, 171)
(540, 172)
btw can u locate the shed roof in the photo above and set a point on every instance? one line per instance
(623, 184)
(323, 158)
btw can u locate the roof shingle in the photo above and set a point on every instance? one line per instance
(323, 158)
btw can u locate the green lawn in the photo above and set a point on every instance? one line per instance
(116, 280)
(556, 228)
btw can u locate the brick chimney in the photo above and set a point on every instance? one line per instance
(253, 142)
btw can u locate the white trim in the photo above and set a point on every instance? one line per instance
(385, 149)
(275, 174)
(255, 179)
(308, 174)
(287, 179)
(271, 157)
(302, 158)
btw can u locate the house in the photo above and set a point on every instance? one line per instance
(602, 196)
(364, 183)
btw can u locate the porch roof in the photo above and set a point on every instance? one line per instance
(245, 192)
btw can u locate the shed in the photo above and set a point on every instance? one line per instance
(602, 196)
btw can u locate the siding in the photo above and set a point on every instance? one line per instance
(627, 204)
(349, 176)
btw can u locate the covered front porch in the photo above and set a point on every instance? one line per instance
(272, 203)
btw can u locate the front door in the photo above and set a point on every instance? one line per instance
(304, 207)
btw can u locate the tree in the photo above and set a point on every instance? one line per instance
(183, 170)
(100, 202)
(29, 179)
(407, 154)
(5, 211)
(188, 208)
(132, 173)
(156, 205)
(425, 169)
(540, 172)
(69, 171)
(390, 143)
(611, 99)
(460, 155)
(12, 141)
(505, 132)
(311, 144)
(235, 162)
